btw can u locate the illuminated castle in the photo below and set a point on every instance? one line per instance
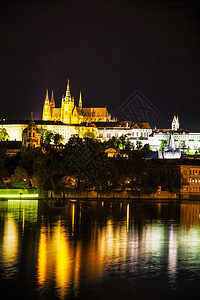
(69, 113)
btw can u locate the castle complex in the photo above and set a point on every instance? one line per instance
(71, 119)
(69, 113)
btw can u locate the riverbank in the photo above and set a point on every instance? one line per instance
(93, 195)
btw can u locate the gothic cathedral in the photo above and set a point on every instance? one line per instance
(69, 113)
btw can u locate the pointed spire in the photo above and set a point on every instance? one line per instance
(177, 122)
(80, 104)
(52, 102)
(68, 89)
(47, 96)
(32, 116)
(32, 122)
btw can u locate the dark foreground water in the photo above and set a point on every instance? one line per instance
(99, 250)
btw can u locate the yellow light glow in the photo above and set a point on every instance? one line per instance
(63, 261)
(127, 218)
(23, 220)
(19, 196)
(73, 216)
(10, 247)
(42, 257)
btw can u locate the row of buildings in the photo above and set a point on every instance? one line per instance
(71, 119)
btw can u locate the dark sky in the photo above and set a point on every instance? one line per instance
(108, 49)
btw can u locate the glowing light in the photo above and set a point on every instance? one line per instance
(10, 247)
(19, 196)
(42, 257)
(172, 256)
(63, 261)
(127, 218)
(23, 220)
(73, 216)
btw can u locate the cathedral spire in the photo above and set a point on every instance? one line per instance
(68, 90)
(52, 102)
(80, 101)
(47, 96)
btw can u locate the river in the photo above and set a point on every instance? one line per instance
(99, 250)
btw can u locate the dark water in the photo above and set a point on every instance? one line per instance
(99, 250)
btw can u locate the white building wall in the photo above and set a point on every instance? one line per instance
(15, 130)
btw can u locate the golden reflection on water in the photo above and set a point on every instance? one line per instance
(42, 257)
(23, 220)
(135, 235)
(54, 258)
(189, 214)
(127, 218)
(63, 262)
(73, 216)
(10, 247)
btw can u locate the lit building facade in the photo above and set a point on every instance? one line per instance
(15, 129)
(133, 131)
(70, 113)
(190, 177)
(184, 140)
(31, 135)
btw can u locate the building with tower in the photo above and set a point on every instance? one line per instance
(31, 135)
(175, 123)
(70, 113)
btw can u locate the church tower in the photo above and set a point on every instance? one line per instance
(80, 104)
(46, 108)
(175, 123)
(52, 103)
(31, 135)
(67, 106)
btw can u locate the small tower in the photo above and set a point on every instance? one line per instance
(31, 135)
(46, 108)
(80, 104)
(52, 102)
(68, 94)
(175, 123)
(67, 106)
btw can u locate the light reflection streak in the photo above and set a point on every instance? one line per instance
(23, 220)
(127, 218)
(63, 265)
(42, 257)
(10, 247)
(73, 216)
(172, 255)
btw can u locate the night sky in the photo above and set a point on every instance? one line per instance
(108, 49)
